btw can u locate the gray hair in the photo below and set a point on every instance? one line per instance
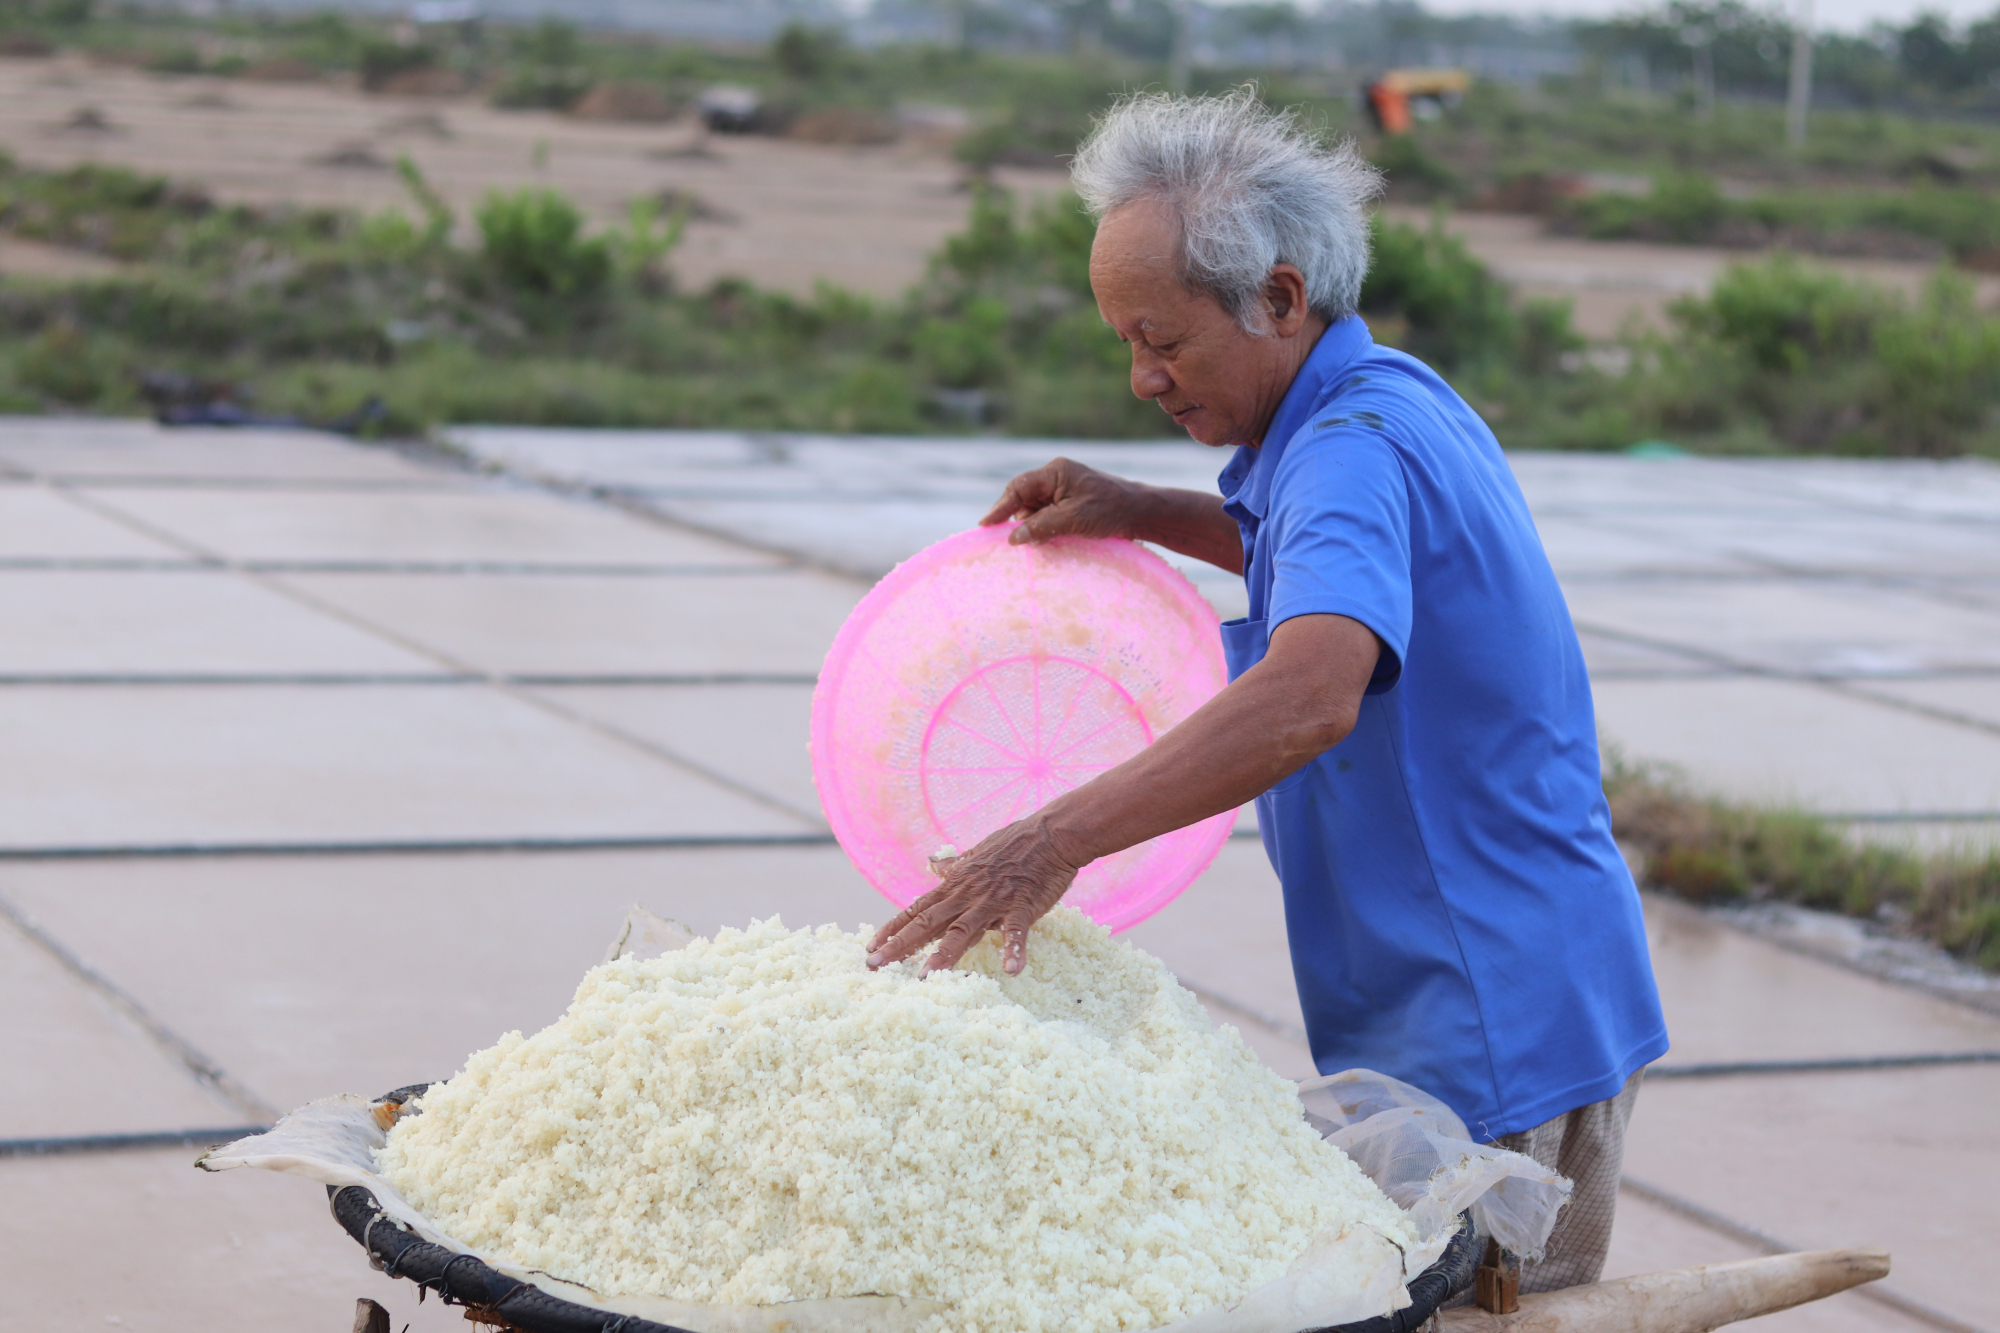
(1252, 187)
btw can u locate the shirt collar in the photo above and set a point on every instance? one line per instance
(1246, 479)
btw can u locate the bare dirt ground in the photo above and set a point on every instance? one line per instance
(1611, 282)
(787, 215)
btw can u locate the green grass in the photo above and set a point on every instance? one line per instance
(1714, 851)
(1784, 357)
(311, 311)
(545, 321)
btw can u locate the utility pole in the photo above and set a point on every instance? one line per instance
(1798, 92)
(1704, 73)
(1180, 56)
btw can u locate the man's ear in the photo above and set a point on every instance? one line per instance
(1285, 299)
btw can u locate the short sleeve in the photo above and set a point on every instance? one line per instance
(1339, 539)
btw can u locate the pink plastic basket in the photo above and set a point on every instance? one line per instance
(980, 680)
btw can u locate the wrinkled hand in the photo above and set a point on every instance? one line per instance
(1006, 883)
(1066, 499)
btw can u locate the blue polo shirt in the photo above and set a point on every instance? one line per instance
(1459, 915)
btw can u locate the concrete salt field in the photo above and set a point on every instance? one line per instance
(328, 765)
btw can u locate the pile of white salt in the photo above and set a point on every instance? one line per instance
(758, 1118)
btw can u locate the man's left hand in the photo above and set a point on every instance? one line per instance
(1006, 883)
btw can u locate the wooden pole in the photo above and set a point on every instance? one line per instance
(1682, 1300)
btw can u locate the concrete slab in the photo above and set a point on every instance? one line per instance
(38, 523)
(1823, 541)
(367, 973)
(766, 465)
(1824, 628)
(1792, 743)
(870, 537)
(1975, 697)
(140, 451)
(1787, 743)
(756, 734)
(1905, 1161)
(1585, 545)
(1577, 483)
(492, 525)
(752, 622)
(1955, 489)
(77, 1065)
(865, 537)
(143, 1243)
(856, 504)
(159, 765)
(370, 972)
(1730, 996)
(175, 621)
(1610, 658)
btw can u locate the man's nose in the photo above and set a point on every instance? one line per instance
(1150, 377)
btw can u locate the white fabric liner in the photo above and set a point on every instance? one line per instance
(1407, 1141)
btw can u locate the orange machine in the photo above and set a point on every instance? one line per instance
(1391, 97)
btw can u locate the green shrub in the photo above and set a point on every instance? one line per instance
(807, 54)
(67, 366)
(547, 68)
(1711, 850)
(1427, 295)
(1940, 367)
(533, 241)
(1414, 173)
(379, 61)
(967, 350)
(1784, 355)
(183, 58)
(1784, 314)
(1685, 207)
(543, 321)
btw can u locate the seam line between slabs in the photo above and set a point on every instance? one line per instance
(499, 682)
(204, 1069)
(77, 1144)
(385, 568)
(407, 847)
(526, 680)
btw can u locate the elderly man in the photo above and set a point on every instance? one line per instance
(1407, 703)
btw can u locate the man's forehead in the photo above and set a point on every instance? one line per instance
(1144, 231)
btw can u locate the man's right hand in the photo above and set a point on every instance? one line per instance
(1063, 498)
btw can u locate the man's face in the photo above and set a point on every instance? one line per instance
(1219, 383)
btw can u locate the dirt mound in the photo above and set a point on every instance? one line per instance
(281, 69)
(423, 81)
(843, 124)
(27, 44)
(624, 101)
